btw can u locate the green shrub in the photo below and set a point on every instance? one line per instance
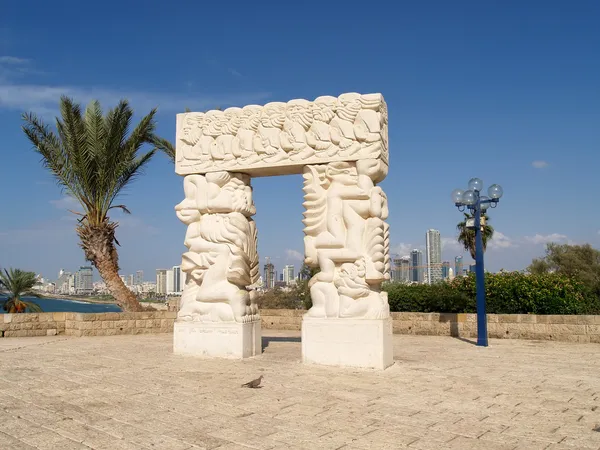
(506, 293)
(441, 297)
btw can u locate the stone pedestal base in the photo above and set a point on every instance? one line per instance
(348, 342)
(220, 340)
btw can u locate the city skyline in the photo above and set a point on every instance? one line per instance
(470, 90)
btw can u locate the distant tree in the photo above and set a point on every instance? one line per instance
(94, 158)
(302, 288)
(466, 236)
(18, 283)
(578, 261)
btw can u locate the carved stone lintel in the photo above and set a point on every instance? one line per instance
(347, 238)
(286, 136)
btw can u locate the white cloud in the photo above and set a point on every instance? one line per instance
(13, 60)
(43, 99)
(67, 202)
(450, 243)
(545, 239)
(131, 223)
(500, 240)
(235, 73)
(540, 164)
(294, 254)
(401, 249)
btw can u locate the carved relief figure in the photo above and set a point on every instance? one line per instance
(319, 135)
(221, 263)
(347, 237)
(243, 143)
(267, 141)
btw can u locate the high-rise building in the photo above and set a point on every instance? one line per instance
(62, 284)
(433, 247)
(139, 278)
(130, 280)
(394, 273)
(269, 274)
(178, 280)
(458, 266)
(416, 266)
(404, 269)
(446, 270)
(83, 280)
(401, 272)
(170, 282)
(288, 274)
(161, 281)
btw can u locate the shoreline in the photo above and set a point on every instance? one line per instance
(159, 306)
(110, 301)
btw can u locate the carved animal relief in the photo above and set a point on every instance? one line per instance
(221, 263)
(347, 238)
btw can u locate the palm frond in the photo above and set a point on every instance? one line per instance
(16, 282)
(165, 146)
(33, 307)
(93, 156)
(122, 208)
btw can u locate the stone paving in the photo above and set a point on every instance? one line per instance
(131, 392)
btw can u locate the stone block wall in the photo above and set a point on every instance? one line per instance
(500, 326)
(41, 324)
(281, 319)
(503, 326)
(91, 324)
(109, 324)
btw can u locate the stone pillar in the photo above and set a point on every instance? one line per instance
(347, 238)
(218, 315)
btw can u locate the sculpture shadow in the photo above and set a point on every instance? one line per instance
(266, 340)
(454, 330)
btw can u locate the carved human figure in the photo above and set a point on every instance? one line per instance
(347, 238)
(267, 141)
(293, 137)
(342, 125)
(243, 143)
(221, 263)
(319, 135)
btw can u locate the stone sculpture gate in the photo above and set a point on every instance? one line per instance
(340, 146)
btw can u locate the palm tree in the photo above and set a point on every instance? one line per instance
(18, 283)
(93, 158)
(466, 236)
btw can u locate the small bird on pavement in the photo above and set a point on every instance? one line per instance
(254, 383)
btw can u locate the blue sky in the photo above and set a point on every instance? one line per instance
(506, 91)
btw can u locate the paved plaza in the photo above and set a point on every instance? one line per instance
(131, 392)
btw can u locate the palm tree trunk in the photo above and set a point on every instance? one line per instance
(109, 273)
(99, 248)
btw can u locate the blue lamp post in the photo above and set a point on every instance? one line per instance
(478, 204)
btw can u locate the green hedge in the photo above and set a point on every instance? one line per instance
(506, 293)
